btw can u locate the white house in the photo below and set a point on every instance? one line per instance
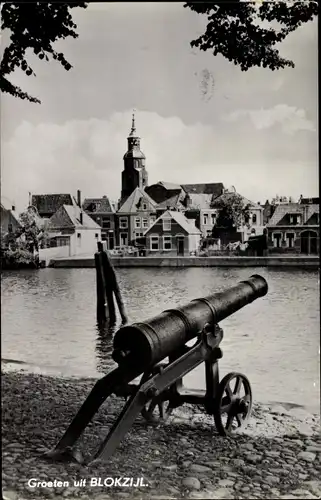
(71, 233)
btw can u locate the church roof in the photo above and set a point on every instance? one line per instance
(215, 188)
(170, 186)
(132, 204)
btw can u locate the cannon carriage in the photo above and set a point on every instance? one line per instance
(157, 351)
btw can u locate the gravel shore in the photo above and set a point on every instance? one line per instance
(277, 456)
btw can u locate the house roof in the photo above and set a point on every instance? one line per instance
(200, 200)
(187, 224)
(170, 186)
(69, 216)
(293, 208)
(101, 205)
(227, 195)
(132, 202)
(214, 189)
(173, 201)
(50, 203)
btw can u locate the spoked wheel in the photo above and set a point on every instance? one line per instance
(233, 404)
(157, 410)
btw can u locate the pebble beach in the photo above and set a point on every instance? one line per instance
(278, 454)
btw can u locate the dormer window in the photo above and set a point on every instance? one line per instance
(295, 219)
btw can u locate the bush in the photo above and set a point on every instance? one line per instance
(20, 258)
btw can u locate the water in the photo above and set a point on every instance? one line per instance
(48, 321)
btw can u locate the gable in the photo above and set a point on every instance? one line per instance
(60, 220)
(136, 201)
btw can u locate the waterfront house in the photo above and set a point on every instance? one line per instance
(102, 211)
(134, 217)
(294, 228)
(173, 234)
(253, 226)
(194, 200)
(73, 230)
(199, 199)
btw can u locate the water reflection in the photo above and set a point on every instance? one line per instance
(48, 320)
(104, 345)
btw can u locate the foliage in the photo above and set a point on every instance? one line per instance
(34, 26)
(19, 256)
(232, 213)
(237, 31)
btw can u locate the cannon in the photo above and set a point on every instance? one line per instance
(157, 351)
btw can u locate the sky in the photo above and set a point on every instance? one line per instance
(200, 118)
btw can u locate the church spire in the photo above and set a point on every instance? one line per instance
(133, 130)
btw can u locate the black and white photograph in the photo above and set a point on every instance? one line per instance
(160, 250)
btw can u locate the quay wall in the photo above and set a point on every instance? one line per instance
(270, 261)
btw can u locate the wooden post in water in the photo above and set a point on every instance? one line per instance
(107, 277)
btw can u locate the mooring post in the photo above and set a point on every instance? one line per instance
(107, 287)
(112, 284)
(100, 289)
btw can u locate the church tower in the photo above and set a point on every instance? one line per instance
(134, 174)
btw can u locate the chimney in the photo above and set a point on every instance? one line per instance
(79, 198)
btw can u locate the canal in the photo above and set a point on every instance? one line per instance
(48, 324)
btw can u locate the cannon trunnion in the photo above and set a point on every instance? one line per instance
(157, 351)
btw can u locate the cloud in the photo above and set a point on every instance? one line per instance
(290, 118)
(88, 155)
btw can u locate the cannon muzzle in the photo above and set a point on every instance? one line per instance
(145, 344)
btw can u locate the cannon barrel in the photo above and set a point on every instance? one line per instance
(145, 344)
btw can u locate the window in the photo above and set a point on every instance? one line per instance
(139, 235)
(106, 222)
(152, 219)
(166, 224)
(144, 206)
(213, 218)
(137, 222)
(96, 235)
(9, 228)
(123, 222)
(167, 243)
(205, 219)
(290, 240)
(78, 239)
(123, 239)
(295, 219)
(154, 242)
(254, 219)
(63, 241)
(145, 223)
(277, 240)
